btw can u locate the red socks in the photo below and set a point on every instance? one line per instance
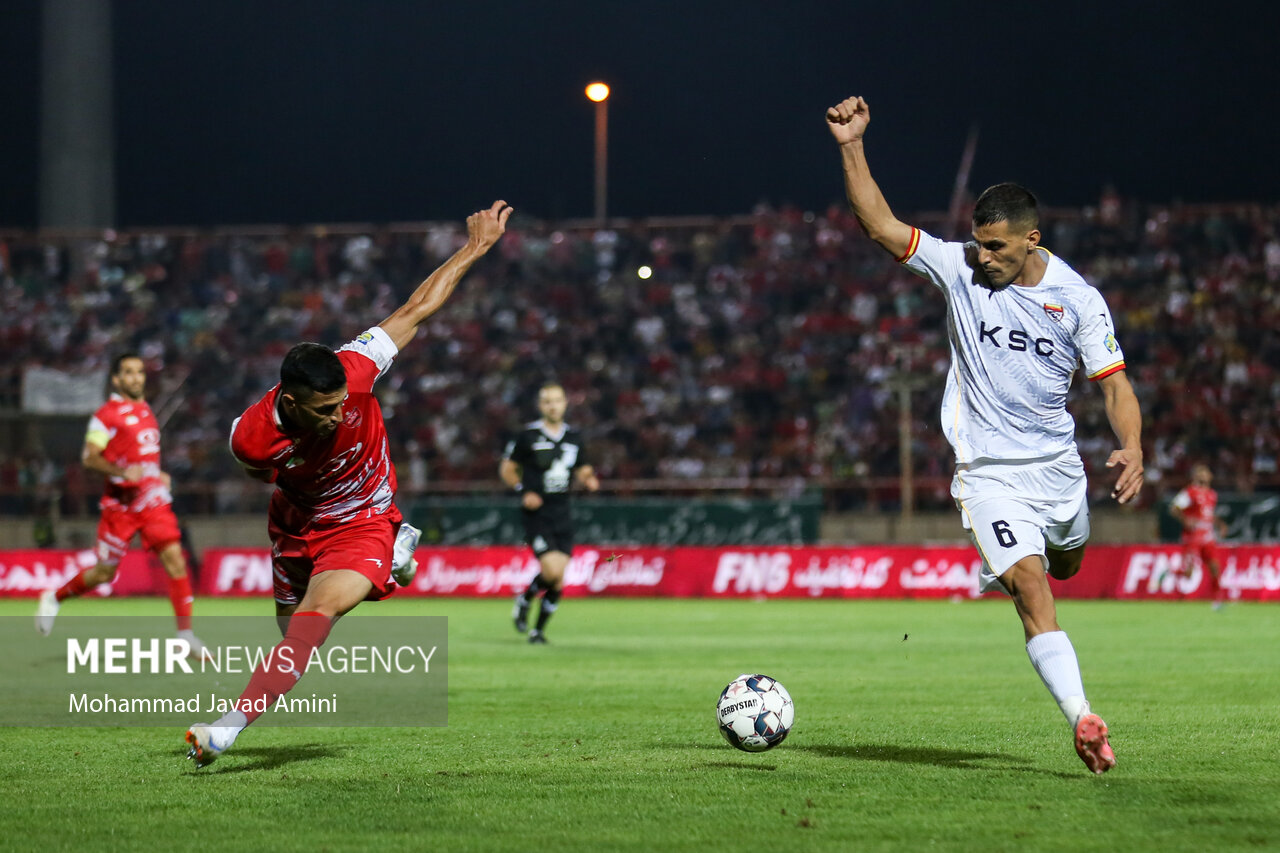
(72, 588)
(180, 596)
(286, 664)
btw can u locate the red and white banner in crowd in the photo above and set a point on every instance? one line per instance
(864, 571)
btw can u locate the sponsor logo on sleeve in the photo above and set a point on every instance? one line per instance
(1110, 342)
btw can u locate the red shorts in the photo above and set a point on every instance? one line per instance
(157, 524)
(1206, 551)
(364, 546)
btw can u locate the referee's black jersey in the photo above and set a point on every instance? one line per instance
(547, 462)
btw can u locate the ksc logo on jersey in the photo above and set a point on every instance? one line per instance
(1054, 312)
(1110, 342)
(1016, 340)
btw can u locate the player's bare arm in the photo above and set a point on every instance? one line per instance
(91, 457)
(509, 473)
(1126, 422)
(847, 122)
(484, 227)
(586, 476)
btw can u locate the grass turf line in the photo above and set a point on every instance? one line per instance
(606, 740)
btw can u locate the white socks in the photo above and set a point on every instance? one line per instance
(232, 720)
(1055, 660)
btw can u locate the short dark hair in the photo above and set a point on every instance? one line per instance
(311, 369)
(1007, 202)
(121, 359)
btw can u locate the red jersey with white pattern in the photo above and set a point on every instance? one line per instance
(1199, 504)
(323, 481)
(127, 433)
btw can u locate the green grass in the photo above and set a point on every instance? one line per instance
(918, 724)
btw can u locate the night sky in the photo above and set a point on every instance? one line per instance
(290, 111)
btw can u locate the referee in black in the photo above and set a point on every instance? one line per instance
(541, 463)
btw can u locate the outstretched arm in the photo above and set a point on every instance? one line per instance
(1126, 422)
(847, 122)
(483, 230)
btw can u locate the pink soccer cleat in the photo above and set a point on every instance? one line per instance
(1092, 745)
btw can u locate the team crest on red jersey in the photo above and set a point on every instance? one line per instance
(351, 417)
(1054, 312)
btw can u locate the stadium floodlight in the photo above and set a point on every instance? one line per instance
(599, 93)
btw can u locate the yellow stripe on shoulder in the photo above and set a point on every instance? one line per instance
(1107, 371)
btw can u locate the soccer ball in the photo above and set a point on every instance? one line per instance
(755, 713)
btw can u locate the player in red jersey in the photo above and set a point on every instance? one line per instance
(1196, 509)
(123, 444)
(319, 436)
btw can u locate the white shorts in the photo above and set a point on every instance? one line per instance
(1016, 510)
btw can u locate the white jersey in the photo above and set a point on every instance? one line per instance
(1014, 351)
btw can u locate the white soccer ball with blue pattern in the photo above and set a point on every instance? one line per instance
(755, 713)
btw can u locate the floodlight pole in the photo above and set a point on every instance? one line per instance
(599, 93)
(602, 158)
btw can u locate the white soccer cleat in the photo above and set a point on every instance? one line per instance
(47, 611)
(207, 742)
(403, 565)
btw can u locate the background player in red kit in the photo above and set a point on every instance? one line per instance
(123, 444)
(319, 437)
(1196, 509)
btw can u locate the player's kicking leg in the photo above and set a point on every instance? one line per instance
(331, 594)
(1054, 659)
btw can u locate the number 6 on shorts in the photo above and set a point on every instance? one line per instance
(1004, 535)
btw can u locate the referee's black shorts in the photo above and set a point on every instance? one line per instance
(548, 531)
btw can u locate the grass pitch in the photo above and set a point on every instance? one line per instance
(918, 724)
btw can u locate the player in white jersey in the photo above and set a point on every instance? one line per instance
(1019, 321)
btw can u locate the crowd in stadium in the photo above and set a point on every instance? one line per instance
(770, 346)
